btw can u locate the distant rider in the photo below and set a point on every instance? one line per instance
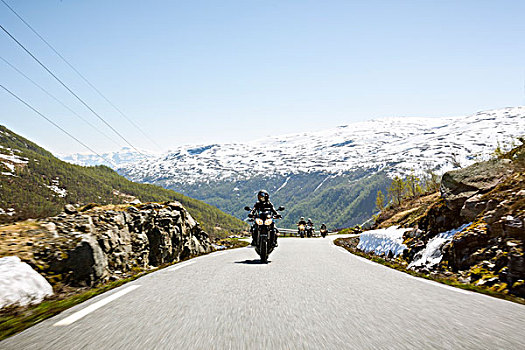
(310, 222)
(264, 204)
(310, 227)
(323, 229)
(301, 221)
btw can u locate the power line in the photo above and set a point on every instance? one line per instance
(68, 89)
(55, 124)
(57, 100)
(82, 76)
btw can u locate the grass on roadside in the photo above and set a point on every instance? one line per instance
(232, 243)
(448, 281)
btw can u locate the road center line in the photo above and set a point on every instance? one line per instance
(79, 314)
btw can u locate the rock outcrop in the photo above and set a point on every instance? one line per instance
(87, 246)
(487, 200)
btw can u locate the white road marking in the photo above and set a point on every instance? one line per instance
(179, 266)
(437, 284)
(211, 255)
(365, 260)
(434, 283)
(219, 253)
(344, 251)
(79, 314)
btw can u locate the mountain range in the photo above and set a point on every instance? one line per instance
(332, 175)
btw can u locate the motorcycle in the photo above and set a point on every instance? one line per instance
(324, 232)
(310, 231)
(264, 231)
(301, 230)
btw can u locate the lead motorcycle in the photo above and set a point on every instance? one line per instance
(264, 228)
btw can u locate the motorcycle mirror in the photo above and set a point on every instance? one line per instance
(247, 208)
(280, 208)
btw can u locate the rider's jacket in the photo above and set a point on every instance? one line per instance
(263, 206)
(301, 222)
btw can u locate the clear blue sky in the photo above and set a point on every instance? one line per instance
(221, 71)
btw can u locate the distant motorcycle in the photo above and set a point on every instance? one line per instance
(264, 228)
(324, 232)
(310, 231)
(301, 230)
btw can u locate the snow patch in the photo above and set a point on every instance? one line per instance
(62, 192)
(284, 184)
(9, 211)
(20, 284)
(383, 241)
(432, 254)
(11, 161)
(322, 182)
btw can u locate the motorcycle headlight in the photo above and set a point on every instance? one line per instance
(301, 227)
(268, 221)
(259, 221)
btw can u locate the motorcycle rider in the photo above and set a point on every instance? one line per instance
(301, 222)
(263, 204)
(323, 229)
(310, 225)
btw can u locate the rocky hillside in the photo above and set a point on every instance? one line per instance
(92, 245)
(474, 229)
(35, 184)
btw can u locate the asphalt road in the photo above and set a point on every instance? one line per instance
(312, 295)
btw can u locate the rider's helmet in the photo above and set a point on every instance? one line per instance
(309, 220)
(263, 196)
(302, 218)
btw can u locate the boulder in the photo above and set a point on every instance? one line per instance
(87, 262)
(472, 207)
(70, 209)
(459, 185)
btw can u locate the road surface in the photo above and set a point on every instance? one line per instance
(312, 295)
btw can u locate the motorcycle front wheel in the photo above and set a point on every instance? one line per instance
(263, 250)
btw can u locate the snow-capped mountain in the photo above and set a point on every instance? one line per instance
(398, 145)
(117, 159)
(331, 175)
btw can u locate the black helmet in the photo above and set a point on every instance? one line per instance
(263, 196)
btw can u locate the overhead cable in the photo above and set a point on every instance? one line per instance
(68, 89)
(55, 124)
(81, 75)
(58, 100)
